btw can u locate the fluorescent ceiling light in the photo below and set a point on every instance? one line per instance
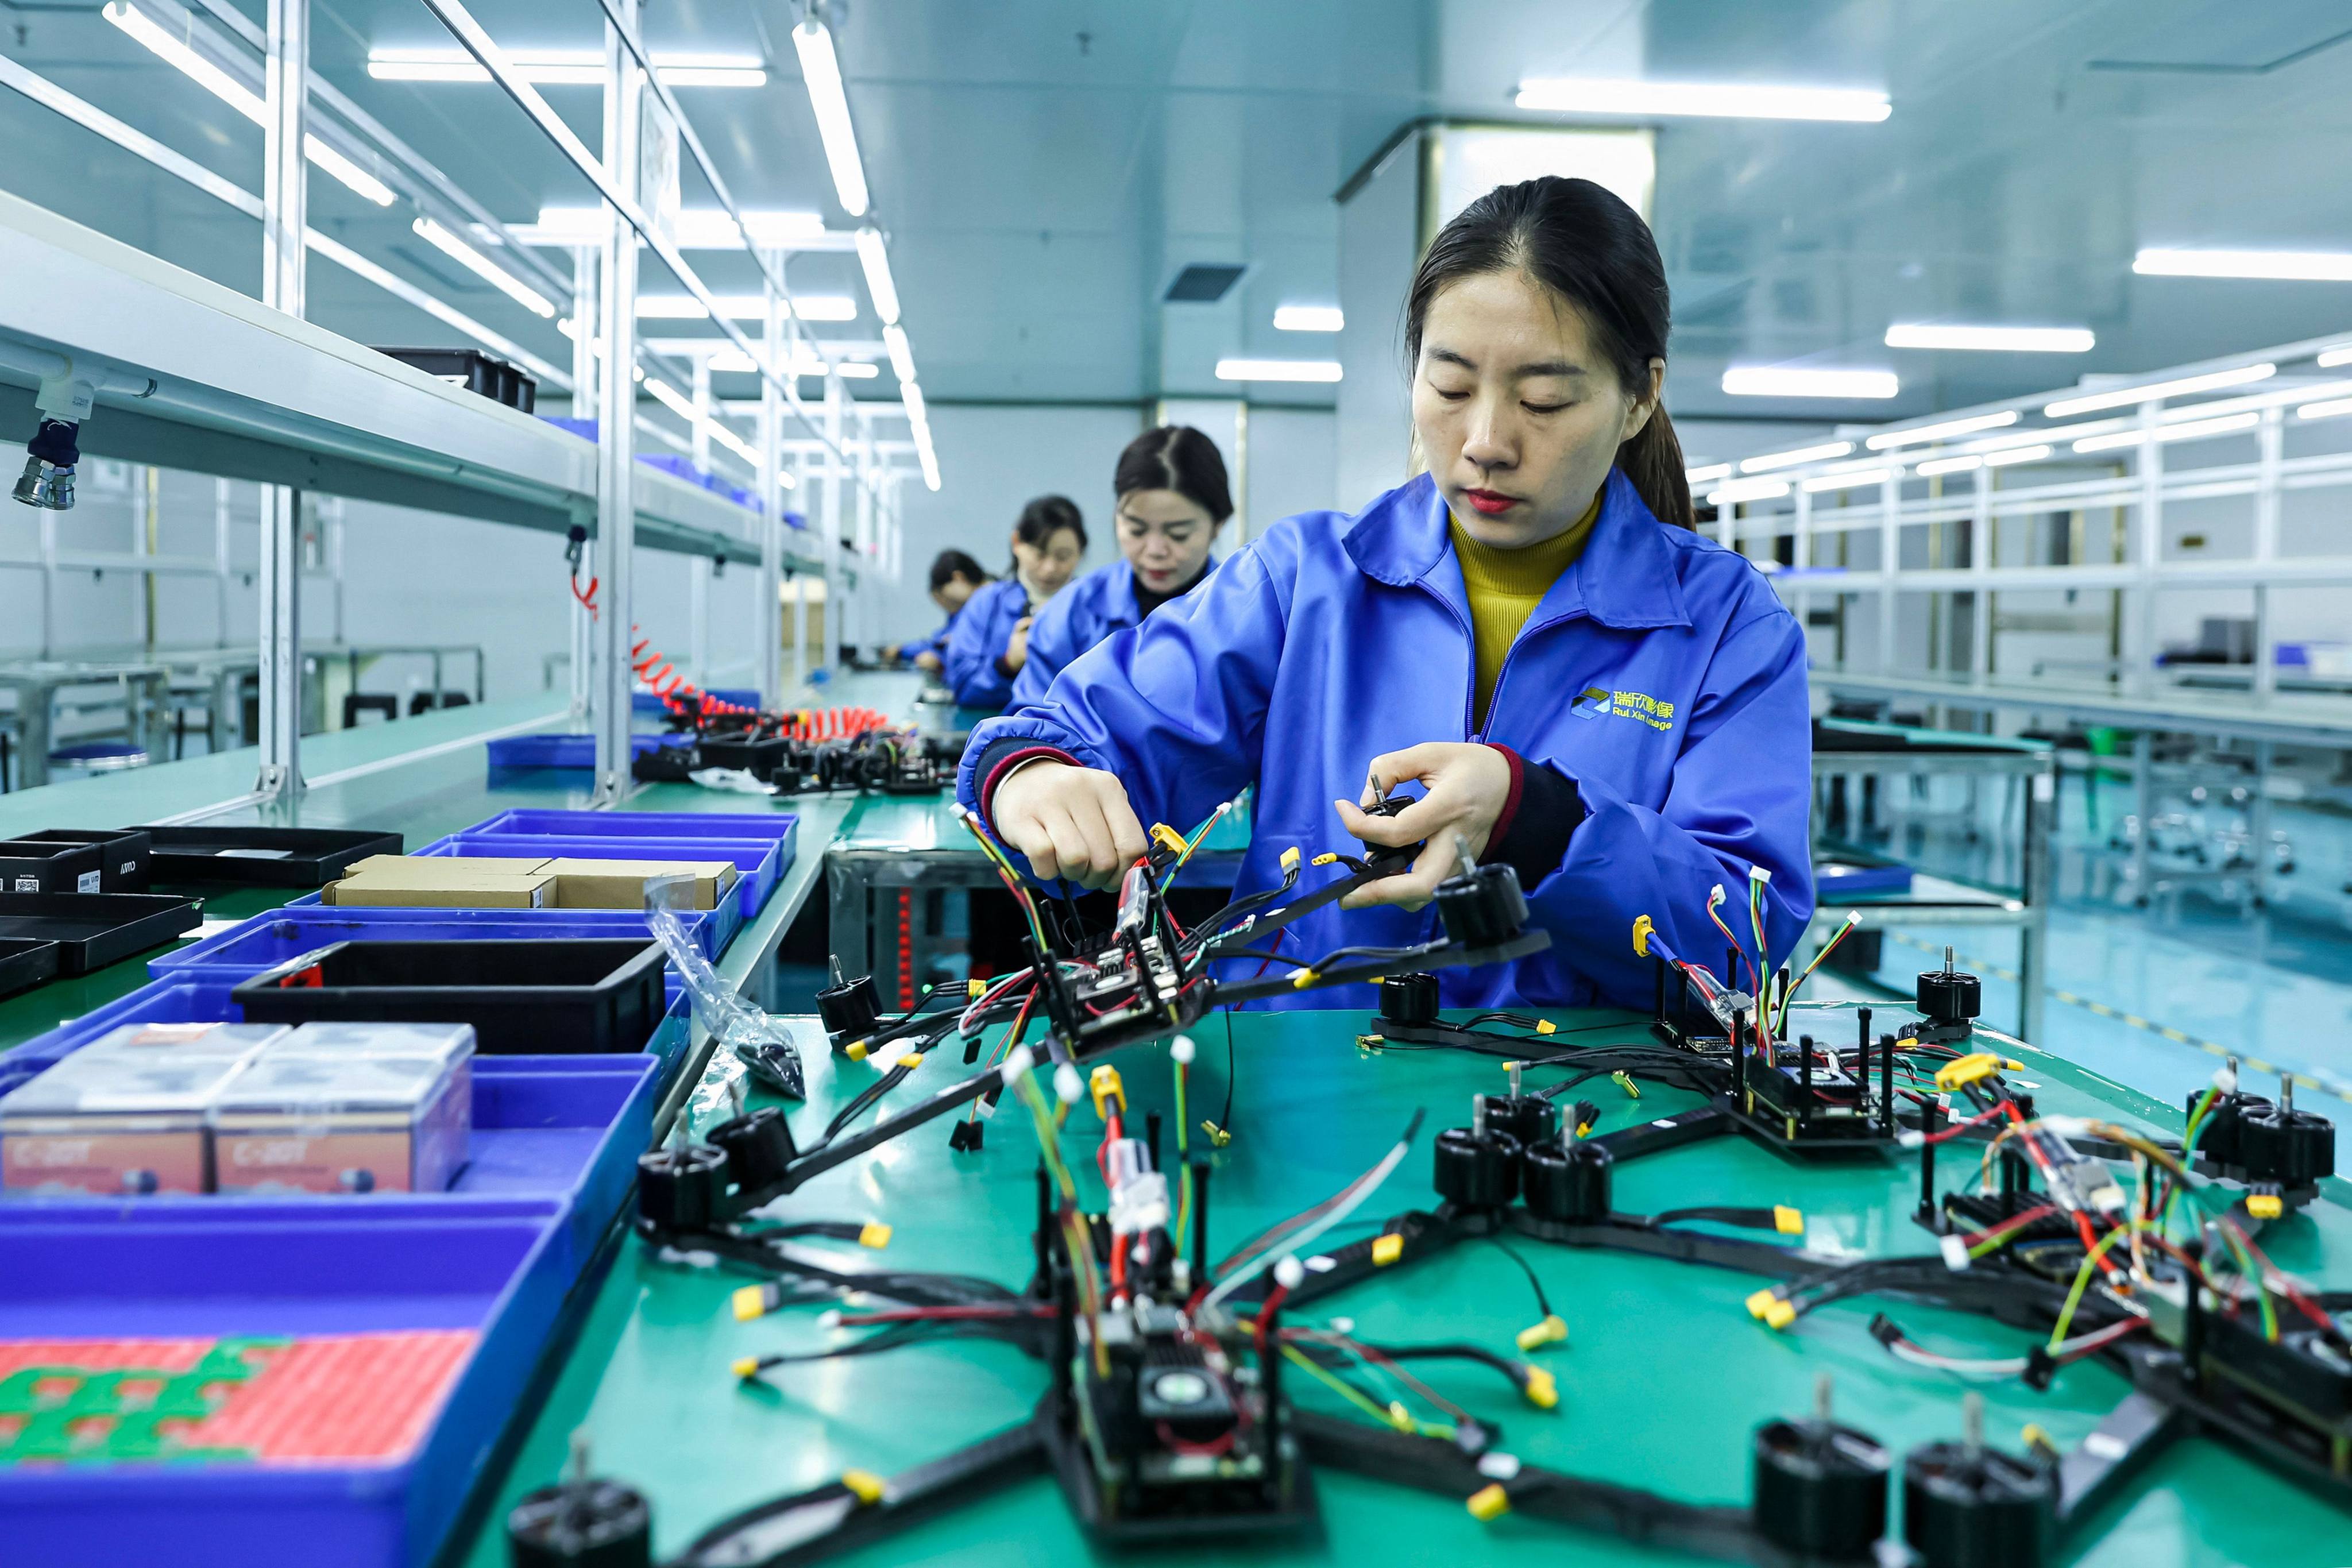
(482, 266)
(902, 353)
(1735, 100)
(2192, 430)
(1854, 479)
(698, 228)
(874, 255)
(1996, 340)
(2296, 266)
(563, 67)
(820, 69)
(2334, 408)
(1711, 471)
(1935, 466)
(2153, 391)
(745, 308)
(2330, 358)
(1277, 369)
(1889, 440)
(1309, 319)
(1738, 490)
(918, 420)
(1774, 381)
(2009, 455)
(1790, 459)
(176, 53)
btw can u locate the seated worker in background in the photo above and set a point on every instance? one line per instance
(955, 578)
(1172, 499)
(1532, 631)
(989, 642)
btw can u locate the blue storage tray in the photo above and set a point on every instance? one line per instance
(760, 862)
(715, 927)
(268, 940)
(563, 751)
(195, 997)
(1835, 880)
(141, 1271)
(784, 826)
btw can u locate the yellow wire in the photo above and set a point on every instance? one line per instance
(1351, 1395)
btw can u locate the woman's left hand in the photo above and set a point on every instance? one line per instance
(1467, 787)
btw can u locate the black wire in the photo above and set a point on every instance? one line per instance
(1225, 1117)
(1543, 1303)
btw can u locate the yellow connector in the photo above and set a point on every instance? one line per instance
(2010, 1065)
(1300, 979)
(1625, 1081)
(1779, 1314)
(1761, 1302)
(1167, 838)
(2036, 1438)
(1643, 926)
(1371, 1042)
(1966, 1070)
(1290, 858)
(2264, 1205)
(864, 1486)
(1387, 1249)
(1218, 1137)
(1546, 1026)
(1542, 1389)
(747, 1367)
(875, 1235)
(1907, 1043)
(1550, 1332)
(1584, 1129)
(854, 1050)
(751, 1302)
(1399, 1417)
(1788, 1221)
(1104, 1084)
(1488, 1502)
(974, 990)
(1328, 857)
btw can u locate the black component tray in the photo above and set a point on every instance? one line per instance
(483, 375)
(126, 855)
(46, 865)
(265, 856)
(94, 930)
(523, 997)
(25, 963)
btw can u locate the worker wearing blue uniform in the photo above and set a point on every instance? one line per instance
(955, 578)
(989, 642)
(1172, 498)
(1628, 730)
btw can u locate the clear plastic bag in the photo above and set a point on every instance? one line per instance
(763, 1043)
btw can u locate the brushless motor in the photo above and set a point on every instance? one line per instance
(850, 1008)
(582, 1523)
(758, 1145)
(1529, 1118)
(1820, 1489)
(1409, 999)
(1567, 1184)
(1949, 998)
(1482, 906)
(1477, 1167)
(2218, 1135)
(1968, 1506)
(2279, 1143)
(682, 1188)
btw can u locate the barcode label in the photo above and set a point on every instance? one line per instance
(86, 883)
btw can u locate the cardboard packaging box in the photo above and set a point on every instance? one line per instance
(352, 1108)
(421, 869)
(621, 884)
(127, 1113)
(483, 891)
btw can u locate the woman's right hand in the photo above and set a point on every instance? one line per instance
(1070, 822)
(1016, 652)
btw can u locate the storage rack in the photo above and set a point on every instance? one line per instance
(187, 374)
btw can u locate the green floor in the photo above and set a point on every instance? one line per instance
(1662, 1378)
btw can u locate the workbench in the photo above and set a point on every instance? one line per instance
(1663, 1380)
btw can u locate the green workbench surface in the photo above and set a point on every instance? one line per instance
(1662, 1378)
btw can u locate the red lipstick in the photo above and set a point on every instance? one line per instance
(1490, 504)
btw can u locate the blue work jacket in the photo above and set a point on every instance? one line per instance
(1080, 616)
(977, 641)
(1660, 675)
(936, 643)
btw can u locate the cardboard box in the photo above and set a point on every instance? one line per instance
(128, 1113)
(483, 891)
(621, 884)
(415, 869)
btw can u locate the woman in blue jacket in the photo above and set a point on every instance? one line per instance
(991, 640)
(1172, 499)
(1581, 685)
(955, 578)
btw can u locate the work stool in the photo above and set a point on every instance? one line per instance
(423, 701)
(97, 757)
(358, 702)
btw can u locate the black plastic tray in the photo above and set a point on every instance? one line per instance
(46, 865)
(25, 963)
(94, 930)
(523, 998)
(297, 856)
(126, 855)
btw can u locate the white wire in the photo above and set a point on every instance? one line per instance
(1266, 1260)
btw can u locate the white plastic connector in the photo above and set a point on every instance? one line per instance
(1496, 1466)
(1910, 1138)
(1955, 1254)
(1760, 874)
(1289, 1273)
(828, 1320)
(1016, 1066)
(2225, 1077)
(890, 1055)
(1716, 895)
(1068, 1086)
(987, 1108)
(1182, 1050)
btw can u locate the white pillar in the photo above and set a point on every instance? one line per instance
(287, 90)
(769, 622)
(616, 423)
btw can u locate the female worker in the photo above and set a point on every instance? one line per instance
(991, 640)
(1582, 687)
(955, 578)
(1172, 499)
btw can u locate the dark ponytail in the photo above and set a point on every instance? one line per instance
(1044, 518)
(1586, 245)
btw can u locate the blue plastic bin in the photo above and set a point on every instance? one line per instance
(715, 927)
(759, 863)
(563, 751)
(269, 939)
(784, 826)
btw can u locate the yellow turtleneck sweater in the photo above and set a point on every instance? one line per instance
(1506, 586)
